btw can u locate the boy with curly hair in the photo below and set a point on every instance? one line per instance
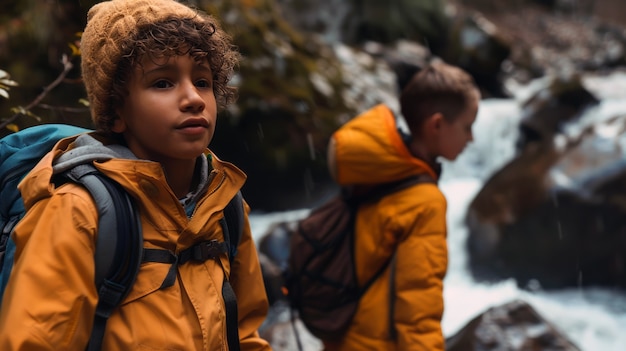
(156, 73)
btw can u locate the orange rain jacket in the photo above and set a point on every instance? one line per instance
(50, 300)
(412, 222)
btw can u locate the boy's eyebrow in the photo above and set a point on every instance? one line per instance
(168, 66)
(204, 67)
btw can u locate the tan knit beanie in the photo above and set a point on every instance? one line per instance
(111, 25)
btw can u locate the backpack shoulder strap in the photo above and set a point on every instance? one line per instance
(119, 244)
(19, 153)
(385, 189)
(119, 241)
(380, 192)
(232, 226)
(393, 187)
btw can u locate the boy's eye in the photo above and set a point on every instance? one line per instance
(203, 83)
(162, 84)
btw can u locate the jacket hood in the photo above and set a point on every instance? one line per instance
(88, 148)
(369, 149)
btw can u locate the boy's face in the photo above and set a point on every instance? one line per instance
(455, 135)
(170, 112)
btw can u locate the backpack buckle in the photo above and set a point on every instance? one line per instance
(206, 250)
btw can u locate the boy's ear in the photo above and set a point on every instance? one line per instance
(119, 126)
(433, 123)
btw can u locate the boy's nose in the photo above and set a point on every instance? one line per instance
(191, 99)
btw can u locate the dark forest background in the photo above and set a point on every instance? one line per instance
(278, 130)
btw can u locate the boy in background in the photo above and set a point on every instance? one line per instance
(402, 309)
(156, 73)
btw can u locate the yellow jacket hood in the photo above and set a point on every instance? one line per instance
(369, 150)
(121, 165)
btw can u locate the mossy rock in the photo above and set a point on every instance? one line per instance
(289, 102)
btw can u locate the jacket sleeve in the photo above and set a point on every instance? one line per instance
(50, 298)
(421, 265)
(247, 281)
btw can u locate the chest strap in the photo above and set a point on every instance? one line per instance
(199, 252)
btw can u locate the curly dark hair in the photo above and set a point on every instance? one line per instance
(202, 38)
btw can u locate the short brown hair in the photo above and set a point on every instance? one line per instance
(438, 87)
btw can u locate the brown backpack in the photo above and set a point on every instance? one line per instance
(321, 282)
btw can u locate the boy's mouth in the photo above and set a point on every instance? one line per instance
(194, 123)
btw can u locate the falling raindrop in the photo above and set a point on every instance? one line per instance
(555, 199)
(599, 224)
(260, 131)
(580, 278)
(309, 184)
(309, 139)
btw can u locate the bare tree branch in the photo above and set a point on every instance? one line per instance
(64, 108)
(67, 66)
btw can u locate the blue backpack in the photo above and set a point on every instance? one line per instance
(119, 246)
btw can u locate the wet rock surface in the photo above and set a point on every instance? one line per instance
(514, 326)
(555, 214)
